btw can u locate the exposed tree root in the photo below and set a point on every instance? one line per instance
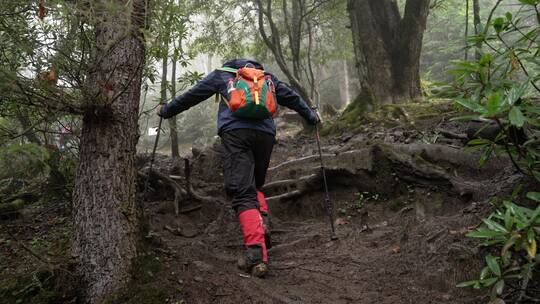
(380, 168)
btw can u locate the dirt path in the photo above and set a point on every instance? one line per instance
(381, 257)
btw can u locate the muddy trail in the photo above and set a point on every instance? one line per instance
(405, 195)
(402, 209)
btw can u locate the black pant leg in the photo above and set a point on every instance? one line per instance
(262, 151)
(239, 169)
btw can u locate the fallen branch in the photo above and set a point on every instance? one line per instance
(288, 195)
(452, 135)
(299, 160)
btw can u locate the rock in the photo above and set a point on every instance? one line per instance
(198, 279)
(202, 266)
(189, 232)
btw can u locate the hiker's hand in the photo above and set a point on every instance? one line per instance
(316, 119)
(158, 110)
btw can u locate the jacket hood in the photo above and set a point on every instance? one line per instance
(240, 63)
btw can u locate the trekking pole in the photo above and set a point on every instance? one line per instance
(329, 204)
(153, 157)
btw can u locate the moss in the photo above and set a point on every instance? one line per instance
(39, 287)
(142, 287)
(359, 114)
(13, 206)
(136, 294)
(146, 267)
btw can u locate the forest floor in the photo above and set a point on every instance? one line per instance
(402, 245)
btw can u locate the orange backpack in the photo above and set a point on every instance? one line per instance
(252, 93)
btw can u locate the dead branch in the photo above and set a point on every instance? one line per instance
(452, 135)
(299, 160)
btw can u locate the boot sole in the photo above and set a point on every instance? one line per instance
(259, 270)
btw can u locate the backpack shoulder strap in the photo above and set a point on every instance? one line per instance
(227, 69)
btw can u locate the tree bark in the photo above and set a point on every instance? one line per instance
(388, 48)
(105, 212)
(477, 21)
(466, 29)
(175, 153)
(345, 84)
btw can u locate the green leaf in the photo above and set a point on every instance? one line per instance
(508, 219)
(466, 284)
(515, 93)
(493, 265)
(489, 282)
(498, 24)
(516, 117)
(509, 16)
(530, 236)
(494, 226)
(465, 118)
(535, 196)
(494, 104)
(484, 233)
(529, 2)
(472, 105)
(536, 175)
(486, 59)
(479, 142)
(499, 287)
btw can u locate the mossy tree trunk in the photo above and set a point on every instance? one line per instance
(105, 212)
(387, 48)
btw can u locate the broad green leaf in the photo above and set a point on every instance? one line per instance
(494, 226)
(489, 282)
(536, 175)
(535, 196)
(484, 233)
(515, 93)
(493, 265)
(499, 287)
(466, 284)
(530, 236)
(509, 244)
(498, 24)
(493, 105)
(516, 117)
(484, 273)
(465, 118)
(529, 2)
(532, 109)
(472, 105)
(531, 249)
(508, 219)
(486, 59)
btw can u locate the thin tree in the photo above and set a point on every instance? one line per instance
(477, 21)
(294, 21)
(388, 47)
(466, 29)
(105, 213)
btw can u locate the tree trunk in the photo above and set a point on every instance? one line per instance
(175, 153)
(105, 212)
(466, 29)
(477, 21)
(344, 86)
(388, 48)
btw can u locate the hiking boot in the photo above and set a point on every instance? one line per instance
(253, 262)
(267, 231)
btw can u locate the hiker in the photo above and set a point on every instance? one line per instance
(248, 97)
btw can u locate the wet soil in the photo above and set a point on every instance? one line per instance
(381, 256)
